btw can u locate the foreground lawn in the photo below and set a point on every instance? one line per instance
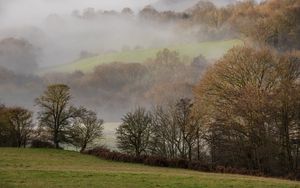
(52, 168)
(211, 50)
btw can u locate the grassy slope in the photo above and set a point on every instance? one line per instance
(210, 50)
(51, 168)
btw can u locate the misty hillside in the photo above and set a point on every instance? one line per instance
(202, 91)
(179, 5)
(87, 62)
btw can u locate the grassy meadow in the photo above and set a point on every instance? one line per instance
(48, 168)
(211, 50)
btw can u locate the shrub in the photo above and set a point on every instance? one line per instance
(41, 144)
(105, 153)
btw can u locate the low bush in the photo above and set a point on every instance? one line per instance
(105, 153)
(41, 144)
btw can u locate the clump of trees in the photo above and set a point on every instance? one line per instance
(244, 115)
(117, 87)
(15, 126)
(171, 131)
(250, 104)
(175, 131)
(271, 22)
(59, 122)
(112, 89)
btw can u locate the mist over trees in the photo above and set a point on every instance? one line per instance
(18, 55)
(54, 32)
(203, 21)
(112, 89)
(240, 113)
(59, 123)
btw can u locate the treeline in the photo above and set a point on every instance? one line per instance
(245, 114)
(59, 123)
(273, 22)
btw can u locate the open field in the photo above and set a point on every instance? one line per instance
(56, 168)
(213, 49)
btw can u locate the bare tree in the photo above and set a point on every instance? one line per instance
(174, 130)
(188, 125)
(134, 133)
(165, 137)
(87, 127)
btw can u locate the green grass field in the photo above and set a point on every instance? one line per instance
(212, 49)
(56, 168)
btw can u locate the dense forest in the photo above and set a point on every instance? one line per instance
(239, 113)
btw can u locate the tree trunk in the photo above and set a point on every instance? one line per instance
(137, 152)
(190, 152)
(287, 144)
(19, 143)
(297, 156)
(24, 142)
(83, 148)
(198, 145)
(55, 139)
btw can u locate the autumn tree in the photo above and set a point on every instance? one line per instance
(287, 108)
(56, 111)
(247, 99)
(16, 127)
(134, 133)
(21, 124)
(6, 133)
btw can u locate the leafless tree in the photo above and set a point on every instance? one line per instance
(134, 133)
(86, 128)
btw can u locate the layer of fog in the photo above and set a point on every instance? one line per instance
(60, 37)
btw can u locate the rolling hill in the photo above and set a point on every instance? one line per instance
(211, 50)
(48, 168)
